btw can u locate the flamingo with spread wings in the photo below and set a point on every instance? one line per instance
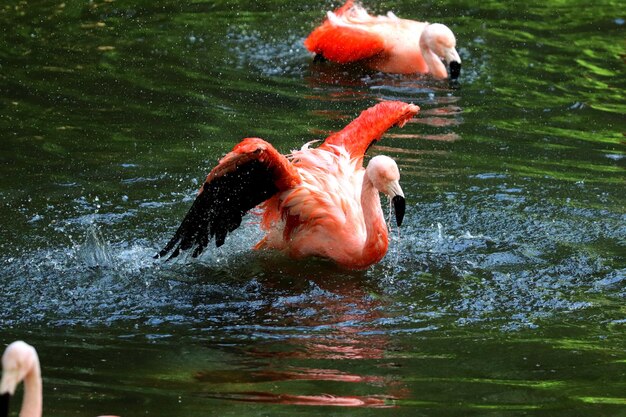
(385, 43)
(315, 202)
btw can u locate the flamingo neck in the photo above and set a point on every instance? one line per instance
(32, 401)
(376, 240)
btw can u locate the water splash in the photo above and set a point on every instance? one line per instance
(94, 252)
(271, 57)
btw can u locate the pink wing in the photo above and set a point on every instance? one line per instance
(250, 174)
(371, 124)
(342, 43)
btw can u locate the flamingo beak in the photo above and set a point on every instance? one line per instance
(399, 206)
(454, 61)
(455, 70)
(4, 404)
(394, 191)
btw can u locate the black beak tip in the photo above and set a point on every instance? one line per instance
(4, 404)
(399, 206)
(455, 70)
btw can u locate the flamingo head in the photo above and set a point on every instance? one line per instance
(439, 44)
(385, 176)
(18, 360)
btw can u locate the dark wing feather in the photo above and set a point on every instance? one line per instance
(244, 179)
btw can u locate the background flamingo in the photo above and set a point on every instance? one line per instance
(20, 362)
(385, 43)
(315, 202)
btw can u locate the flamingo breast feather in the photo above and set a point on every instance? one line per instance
(323, 214)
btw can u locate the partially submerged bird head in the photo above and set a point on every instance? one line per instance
(21, 363)
(18, 360)
(439, 44)
(385, 175)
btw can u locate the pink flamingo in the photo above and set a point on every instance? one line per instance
(20, 362)
(385, 43)
(315, 202)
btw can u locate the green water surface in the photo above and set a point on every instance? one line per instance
(503, 294)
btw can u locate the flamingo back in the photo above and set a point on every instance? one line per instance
(322, 216)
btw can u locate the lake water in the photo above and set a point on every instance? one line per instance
(502, 294)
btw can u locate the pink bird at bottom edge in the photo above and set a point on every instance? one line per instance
(315, 202)
(20, 362)
(385, 43)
